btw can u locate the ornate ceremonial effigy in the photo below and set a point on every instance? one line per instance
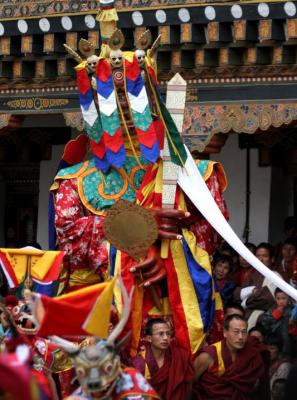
(128, 201)
(127, 124)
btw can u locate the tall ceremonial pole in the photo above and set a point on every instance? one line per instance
(175, 103)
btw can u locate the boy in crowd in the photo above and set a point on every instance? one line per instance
(277, 320)
(223, 266)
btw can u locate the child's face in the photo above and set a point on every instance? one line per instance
(221, 270)
(282, 300)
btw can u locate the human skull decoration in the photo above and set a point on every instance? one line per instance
(92, 62)
(140, 55)
(116, 58)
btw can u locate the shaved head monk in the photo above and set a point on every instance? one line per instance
(168, 368)
(234, 368)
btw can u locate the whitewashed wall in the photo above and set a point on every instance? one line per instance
(234, 162)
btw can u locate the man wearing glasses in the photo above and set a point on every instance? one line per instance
(168, 368)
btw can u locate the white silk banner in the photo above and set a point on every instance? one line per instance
(192, 183)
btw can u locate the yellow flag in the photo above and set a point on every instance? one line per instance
(98, 319)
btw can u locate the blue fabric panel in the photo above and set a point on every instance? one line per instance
(116, 159)
(202, 282)
(105, 88)
(86, 100)
(150, 154)
(135, 87)
(102, 164)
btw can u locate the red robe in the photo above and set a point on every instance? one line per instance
(244, 379)
(174, 379)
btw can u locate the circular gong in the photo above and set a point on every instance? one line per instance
(130, 228)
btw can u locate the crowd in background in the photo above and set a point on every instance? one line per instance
(256, 314)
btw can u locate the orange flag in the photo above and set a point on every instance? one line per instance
(65, 315)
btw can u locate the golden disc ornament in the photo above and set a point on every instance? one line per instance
(116, 40)
(130, 228)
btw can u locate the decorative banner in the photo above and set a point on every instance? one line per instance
(140, 111)
(88, 107)
(115, 153)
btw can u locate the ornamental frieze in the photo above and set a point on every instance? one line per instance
(201, 122)
(35, 104)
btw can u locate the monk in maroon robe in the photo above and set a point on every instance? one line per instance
(168, 368)
(235, 368)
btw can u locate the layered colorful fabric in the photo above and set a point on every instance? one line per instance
(74, 152)
(140, 110)
(195, 308)
(193, 297)
(114, 154)
(105, 132)
(88, 107)
(41, 266)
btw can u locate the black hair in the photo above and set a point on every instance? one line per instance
(231, 318)
(148, 330)
(223, 258)
(234, 305)
(256, 328)
(267, 246)
(251, 246)
(274, 340)
(292, 241)
(225, 247)
(278, 290)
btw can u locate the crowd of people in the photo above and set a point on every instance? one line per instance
(257, 353)
(259, 349)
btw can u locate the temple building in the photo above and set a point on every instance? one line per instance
(239, 61)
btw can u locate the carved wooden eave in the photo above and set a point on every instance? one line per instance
(200, 38)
